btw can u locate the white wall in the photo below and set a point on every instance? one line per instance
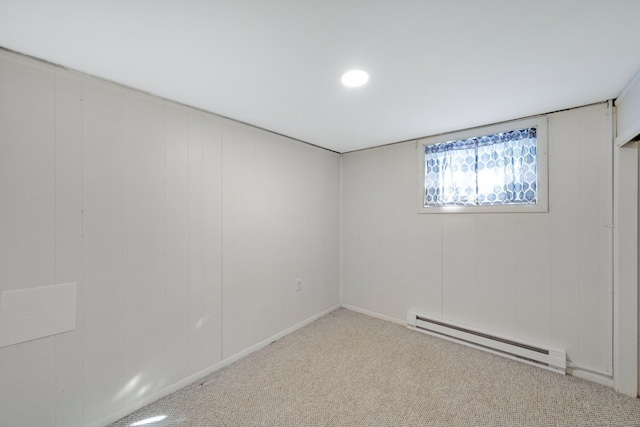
(185, 232)
(626, 342)
(281, 209)
(625, 337)
(540, 277)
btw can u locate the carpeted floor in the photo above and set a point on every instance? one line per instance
(348, 369)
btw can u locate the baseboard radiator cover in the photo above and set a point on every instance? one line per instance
(554, 360)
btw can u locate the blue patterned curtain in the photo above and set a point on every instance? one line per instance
(496, 169)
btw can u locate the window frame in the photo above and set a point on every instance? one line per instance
(542, 179)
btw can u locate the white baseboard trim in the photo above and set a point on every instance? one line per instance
(402, 322)
(203, 373)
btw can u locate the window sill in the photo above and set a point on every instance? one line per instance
(539, 208)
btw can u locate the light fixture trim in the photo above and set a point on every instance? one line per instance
(355, 78)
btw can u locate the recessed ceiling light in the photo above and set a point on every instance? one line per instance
(355, 78)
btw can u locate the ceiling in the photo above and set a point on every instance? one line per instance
(435, 66)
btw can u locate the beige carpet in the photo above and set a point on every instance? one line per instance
(347, 369)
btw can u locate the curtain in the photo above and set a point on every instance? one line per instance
(493, 169)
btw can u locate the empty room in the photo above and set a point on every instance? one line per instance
(319, 213)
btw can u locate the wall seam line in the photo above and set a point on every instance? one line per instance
(189, 355)
(164, 236)
(221, 135)
(340, 237)
(122, 229)
(203, 194)
(55, 238)
(82, 112)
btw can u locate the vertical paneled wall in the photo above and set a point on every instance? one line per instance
(27, 232)
(276, 215)
(540, 277)
(185, 232)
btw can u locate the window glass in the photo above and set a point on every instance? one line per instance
(496, 169)
(501, 168)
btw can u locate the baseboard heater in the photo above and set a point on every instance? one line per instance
(548, 358)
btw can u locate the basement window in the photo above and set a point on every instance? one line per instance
(501, 168)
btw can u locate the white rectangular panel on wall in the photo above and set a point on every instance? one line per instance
(29, 314)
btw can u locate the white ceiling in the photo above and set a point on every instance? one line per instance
(434, 65)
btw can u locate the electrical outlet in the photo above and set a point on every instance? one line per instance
(298, 285)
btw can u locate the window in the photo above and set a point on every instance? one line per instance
(500, 168)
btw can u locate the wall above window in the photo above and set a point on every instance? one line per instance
(492, 169)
